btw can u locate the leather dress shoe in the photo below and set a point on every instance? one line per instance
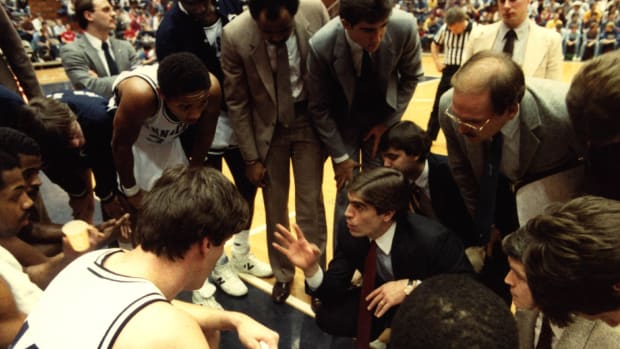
(280, 292)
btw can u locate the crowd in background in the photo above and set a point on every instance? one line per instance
(588, 28)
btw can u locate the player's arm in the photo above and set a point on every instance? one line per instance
(137, 103)
(207, 123)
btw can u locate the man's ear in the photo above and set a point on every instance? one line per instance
(388, 216)
(346, 24)
(512, 110)
(616, 288)
(206, 246)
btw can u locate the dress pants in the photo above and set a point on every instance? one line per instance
(357, 148)
(297, 144)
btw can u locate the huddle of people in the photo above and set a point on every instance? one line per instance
(435, 238)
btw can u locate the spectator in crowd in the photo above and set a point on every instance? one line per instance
(501, 131)
(537, 50)
(590, 43)
(571, 43)
(363, 68)
(155, 104)
(452, 36)
(592, 103)
(68, 35)
(535, 329)
(15, 65)
(95, 59)
(571, 260)
(181, 231)
(452, 312)
(267, 97)
(406, 148)
(188, 27)
(376, 228)
(608, 40)
(592, 15)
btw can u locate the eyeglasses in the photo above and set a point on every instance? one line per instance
(473, 128)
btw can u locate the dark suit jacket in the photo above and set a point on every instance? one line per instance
(178, 32)
(421, 248)
(448, 204)
(80, 56)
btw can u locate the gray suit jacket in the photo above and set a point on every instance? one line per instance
(80, 56)
(547, 139)
(543, 51)
(332, 76)
(249, 80)
(581, 334)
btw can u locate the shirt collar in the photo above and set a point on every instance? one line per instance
(384, 242)
(522, 30)
(422, 180)
(94, 41)
(512, 126)
(182, 8)
(356, 49)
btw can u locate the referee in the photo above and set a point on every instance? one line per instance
(452, 35)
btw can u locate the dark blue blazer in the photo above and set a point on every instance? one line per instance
(178, 32)
(447, 201)
(421, 248)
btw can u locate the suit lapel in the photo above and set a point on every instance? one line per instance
(385, 57)
(400, 266)
(261, 61)
(533, 53)
(576, 335)
(526, 323)
(529, 142)
(343, 65)
(303, 34)
(118, 54)
(91, 52)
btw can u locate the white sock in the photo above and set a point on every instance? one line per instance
(241, 243)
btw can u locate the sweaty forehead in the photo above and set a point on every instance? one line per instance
(13, 181)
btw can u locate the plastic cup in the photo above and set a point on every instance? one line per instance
(77, 233)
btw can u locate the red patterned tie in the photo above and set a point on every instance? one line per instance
(364, 317)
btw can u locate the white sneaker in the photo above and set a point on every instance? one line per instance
(227, 279)
(205, 296)
(249, 264)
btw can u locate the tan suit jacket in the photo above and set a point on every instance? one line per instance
(581, 334)
(249, 79)
(543, 52)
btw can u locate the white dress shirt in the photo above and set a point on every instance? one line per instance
(522, 31)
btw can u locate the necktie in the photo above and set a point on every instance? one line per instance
(509, 45)
(546, 335)
(421, 202)
(485, 211)
(366, 69)
(364, 317)
(112, 67)
(286, 109)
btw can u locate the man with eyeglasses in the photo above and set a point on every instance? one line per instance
(501, 131)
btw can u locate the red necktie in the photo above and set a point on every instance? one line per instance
(364, 317)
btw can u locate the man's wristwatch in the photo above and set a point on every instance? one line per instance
(411, 284)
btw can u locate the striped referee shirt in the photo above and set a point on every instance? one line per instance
(452, 44)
